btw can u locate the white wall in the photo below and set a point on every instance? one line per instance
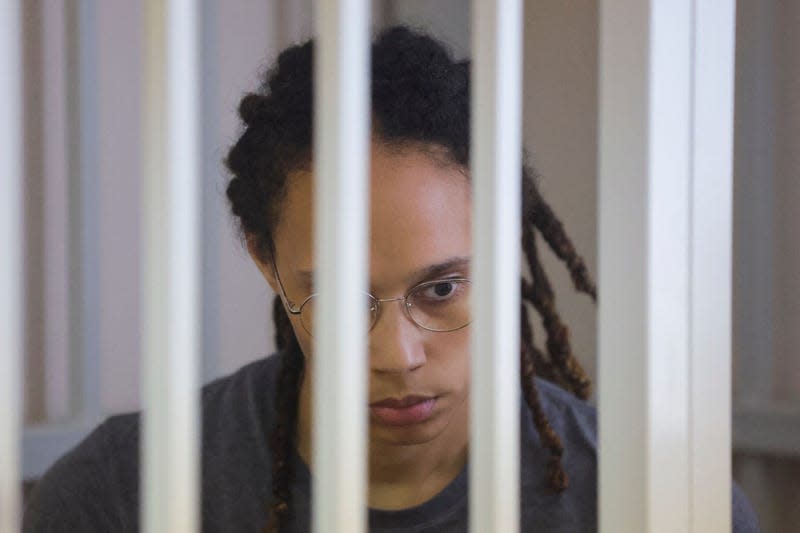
(560, 128)
(246, 40)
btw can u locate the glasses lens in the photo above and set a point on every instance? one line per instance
(441, 305)
(307, 312)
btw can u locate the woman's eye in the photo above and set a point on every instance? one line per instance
(441, 290)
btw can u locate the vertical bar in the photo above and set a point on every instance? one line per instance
(170, 491)
(665, 191)
(11, 264)
(711, 267)
(667, 260)
(496, 169)
(84, 207)
(341, 134)
(643, 266)
(622, 243)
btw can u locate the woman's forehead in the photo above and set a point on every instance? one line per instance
(420, 215)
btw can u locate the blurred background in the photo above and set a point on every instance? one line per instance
(78, 372)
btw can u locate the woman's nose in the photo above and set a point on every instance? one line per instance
(395, 342)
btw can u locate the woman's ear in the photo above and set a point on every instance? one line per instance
(264, 265)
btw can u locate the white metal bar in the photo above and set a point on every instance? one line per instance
(170, 491)
(665, 133)
(341, 134)
(496, 152)
(711, 265)
(11, 264)
(643, 266)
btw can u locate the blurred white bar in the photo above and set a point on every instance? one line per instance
(11, 263)
(711, 274)
(170, 488)
(341, 137)
(664, 234)
(496, 155)
(644, 266)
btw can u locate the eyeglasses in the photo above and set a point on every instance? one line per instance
(438, 305)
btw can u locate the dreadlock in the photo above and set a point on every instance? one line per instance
(284, 435)
(421, 96)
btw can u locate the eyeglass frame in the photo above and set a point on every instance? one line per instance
(298, 311)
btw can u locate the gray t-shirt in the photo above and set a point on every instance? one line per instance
(95, 487)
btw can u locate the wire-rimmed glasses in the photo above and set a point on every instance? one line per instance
(439, 305)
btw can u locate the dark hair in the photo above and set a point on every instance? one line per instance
(420, 97)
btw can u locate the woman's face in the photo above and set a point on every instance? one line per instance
(420, 216)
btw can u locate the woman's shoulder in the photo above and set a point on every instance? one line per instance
(94, 486)
(574, 419)
(85, 488)
(249, 384)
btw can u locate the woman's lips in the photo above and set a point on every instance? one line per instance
(403, 412)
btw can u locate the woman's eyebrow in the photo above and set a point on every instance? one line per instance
(428, 272)
(432, 271)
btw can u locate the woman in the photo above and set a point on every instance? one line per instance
(257, 423)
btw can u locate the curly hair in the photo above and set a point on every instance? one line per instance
(420, 97)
